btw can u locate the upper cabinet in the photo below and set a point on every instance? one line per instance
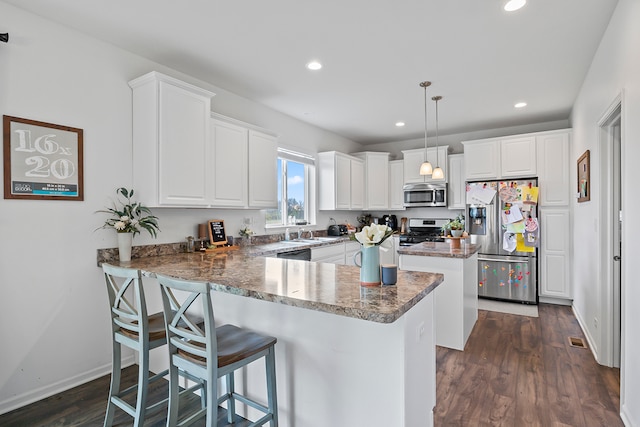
(457, 187)
(553, 168)
(376, 179)
(414, 158)
(170, 138)
(186, 156)
(518, 157)
(482, 159)
(340, 181)
(244, 165)
(396, 182)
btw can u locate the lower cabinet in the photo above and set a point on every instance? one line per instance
(350, 249)
(333, 254)
(555, 250)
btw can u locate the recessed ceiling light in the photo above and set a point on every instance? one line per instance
(513, 5)
(314, 65)
(399, 124)
(520, 105)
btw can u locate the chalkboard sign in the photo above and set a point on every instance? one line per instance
(217, 235)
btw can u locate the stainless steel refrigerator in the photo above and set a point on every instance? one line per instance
(506, 271)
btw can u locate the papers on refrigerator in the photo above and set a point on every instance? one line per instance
(480, 194)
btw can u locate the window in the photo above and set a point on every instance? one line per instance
(296, 189)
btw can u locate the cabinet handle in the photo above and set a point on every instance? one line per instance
(616, 258)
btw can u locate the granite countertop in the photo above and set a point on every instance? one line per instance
(438, 249)
(316, 286)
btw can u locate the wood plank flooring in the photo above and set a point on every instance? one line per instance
(515, 371)
(522, 371)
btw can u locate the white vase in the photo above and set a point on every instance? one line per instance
(124, 246)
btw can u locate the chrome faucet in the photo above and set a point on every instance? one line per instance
(300, 231)
(311, 234)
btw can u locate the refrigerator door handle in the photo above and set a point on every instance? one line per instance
(505, 259)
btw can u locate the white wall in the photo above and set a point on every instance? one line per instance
(54, 319)
(615, 69)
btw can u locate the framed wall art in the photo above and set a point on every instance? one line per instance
(42, 161)
(584, 178)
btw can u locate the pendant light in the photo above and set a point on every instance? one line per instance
(438, 173)
(425, 168)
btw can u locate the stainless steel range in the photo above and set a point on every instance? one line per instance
(423, 230)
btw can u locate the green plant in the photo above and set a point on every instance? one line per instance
(456, 223)
(130, 216)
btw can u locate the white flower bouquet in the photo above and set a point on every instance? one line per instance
(372, 235)
(131, 216)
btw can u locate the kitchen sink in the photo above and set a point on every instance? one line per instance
(317, 239)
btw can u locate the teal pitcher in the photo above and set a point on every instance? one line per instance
(369, 266)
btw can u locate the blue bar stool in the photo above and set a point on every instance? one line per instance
(133, 328)
(210, 353)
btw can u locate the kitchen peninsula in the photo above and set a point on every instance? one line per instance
(456, 300)
(346, 355)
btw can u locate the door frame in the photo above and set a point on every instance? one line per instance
(611, 307)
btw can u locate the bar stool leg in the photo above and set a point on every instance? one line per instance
(143, 385)
(231, 402)
(272, 399)
(114, 388)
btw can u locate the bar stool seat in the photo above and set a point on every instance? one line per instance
(209, 353)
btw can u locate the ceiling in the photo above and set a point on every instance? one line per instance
(481, 59)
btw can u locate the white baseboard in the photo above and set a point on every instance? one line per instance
(59, 386)
(585, 331)
(556, 301)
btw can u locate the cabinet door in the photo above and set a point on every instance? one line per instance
(342, 182)
(412, 160)
(170, 141)
(553, 169)
(554, 253)
(518, 157)
(396, 182)
(481, 160)
(229, 164)
(263, 165)
(357, 184)
(377, 181)
(456, 194)
(350, 249)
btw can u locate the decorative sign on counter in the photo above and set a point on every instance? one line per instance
(42, 161)
(217, 235)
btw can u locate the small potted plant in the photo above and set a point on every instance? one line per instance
(455, 227)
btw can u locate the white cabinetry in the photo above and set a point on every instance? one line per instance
(170, 139)
(555, 261)
(481, 159)
(376, 179)
(457, 191)
(414, 158)
(244, 165)
(350, 249)
(333, 254)
(518, 157)
(263, 169)
(553, 169)
(396, 182)
(228, 167)
(341, 181)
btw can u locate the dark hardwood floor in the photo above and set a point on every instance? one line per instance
(515, 371)
(522, 371)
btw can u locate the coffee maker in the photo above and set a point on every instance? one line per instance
(391, 221)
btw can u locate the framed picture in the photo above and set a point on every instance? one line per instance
(42, 161)
(217, 235)
(584, 178)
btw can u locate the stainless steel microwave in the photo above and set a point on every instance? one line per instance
(423, 194)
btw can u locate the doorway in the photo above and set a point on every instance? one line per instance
(612, 232)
